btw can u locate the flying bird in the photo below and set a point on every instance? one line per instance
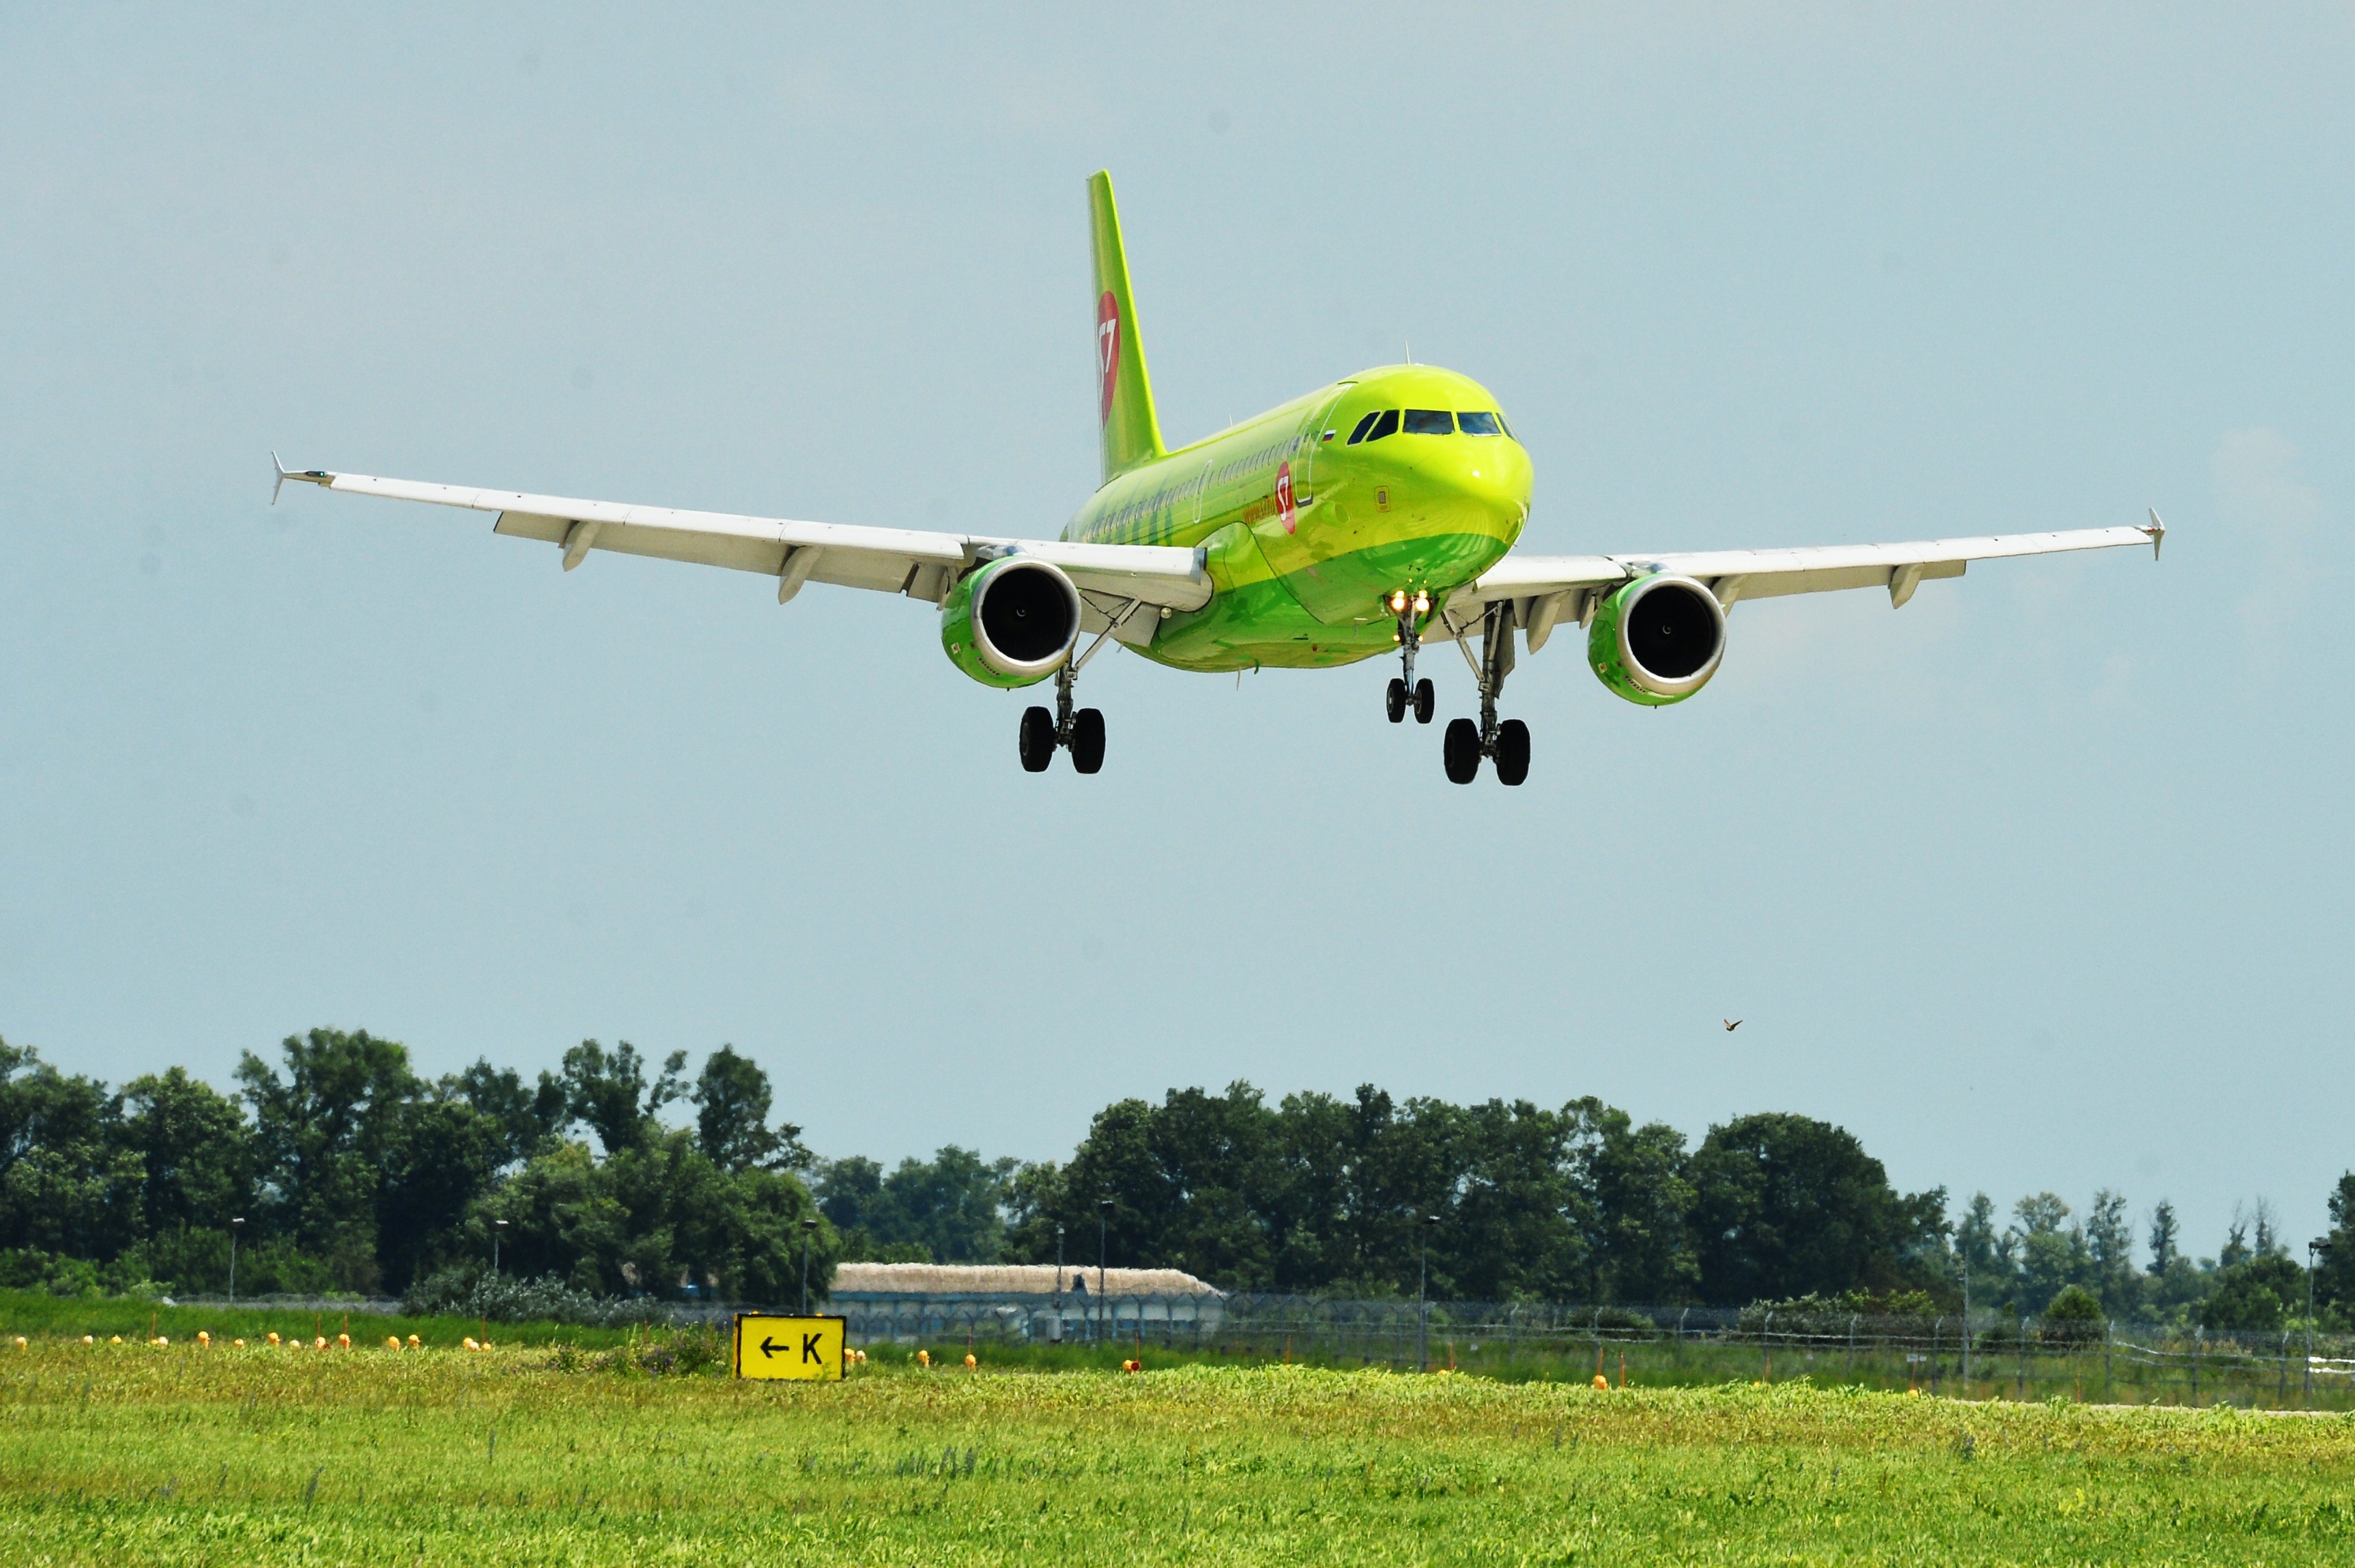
(1733, 1024)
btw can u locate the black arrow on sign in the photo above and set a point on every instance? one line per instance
(770, 1346)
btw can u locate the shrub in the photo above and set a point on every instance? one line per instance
(278, 1267)
(1814, 1314)
(2074, 1317)
(470, 1290)
(2259, 1294)
(2004, 1336)
(662, 1352)
(30, 1268)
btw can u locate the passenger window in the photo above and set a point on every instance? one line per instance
(1429, 422)
(1387, 424)
(1479, 424)
(1364, 425)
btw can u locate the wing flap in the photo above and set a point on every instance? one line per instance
(740, 551)
(1825, 579)
(1157, 574)
(1550, 586)
(892, 561)
(1853, 564)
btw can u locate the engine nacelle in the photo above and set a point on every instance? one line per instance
(1011, 621)
(1658, 640)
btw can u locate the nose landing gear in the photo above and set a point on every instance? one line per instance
(1420, 697)
(1405, 691)
(1506, 741)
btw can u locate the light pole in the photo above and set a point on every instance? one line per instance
(1966, 1328)
(1104, 1215)
(238, 1224)
(1422, 1289)
(498, 1229)
(809, 1234)
(1059, 1284)
(2314, 1248)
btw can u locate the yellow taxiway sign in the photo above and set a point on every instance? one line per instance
(789, 1347)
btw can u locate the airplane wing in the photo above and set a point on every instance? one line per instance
(919, 564)
(1545, 590)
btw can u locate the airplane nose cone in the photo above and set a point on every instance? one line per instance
(1493, 476)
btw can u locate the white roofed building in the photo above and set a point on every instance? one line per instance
(1037, 1302)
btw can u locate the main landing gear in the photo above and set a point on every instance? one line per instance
(1081, 730)
(1508, 740)
(1468, 743)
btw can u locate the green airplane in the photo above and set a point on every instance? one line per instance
(1369, 518)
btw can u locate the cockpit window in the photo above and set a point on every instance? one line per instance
(1429, 422)
(1364, 425)
(1480, 424)
(1385, 423)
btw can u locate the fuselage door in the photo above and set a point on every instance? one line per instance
(1321, 434)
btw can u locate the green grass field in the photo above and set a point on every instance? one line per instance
(130, 1454)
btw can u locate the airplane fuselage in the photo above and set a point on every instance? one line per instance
(1312, 514)
(1333, 529)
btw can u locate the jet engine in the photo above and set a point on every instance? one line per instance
(1658, 640)
(1011, 621)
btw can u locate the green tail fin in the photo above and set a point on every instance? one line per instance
(1132, 435)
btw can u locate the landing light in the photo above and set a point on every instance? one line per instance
(1422, 604)
(1398, 601)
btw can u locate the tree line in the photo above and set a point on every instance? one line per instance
(353, 1173)
(617, 1175)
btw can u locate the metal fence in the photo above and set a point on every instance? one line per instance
(1065, 1318)
(1999, 1357)
(1993, 1356)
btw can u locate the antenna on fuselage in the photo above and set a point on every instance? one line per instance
(1410, 351)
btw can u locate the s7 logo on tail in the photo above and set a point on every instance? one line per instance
(1108, 350)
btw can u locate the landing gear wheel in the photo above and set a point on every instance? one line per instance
(1462, 751)
(1088, 740)
(1425, 701)
(1038, 740)
(1512, 751)
(1395, 701)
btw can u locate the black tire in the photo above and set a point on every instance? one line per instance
(1394, 700)
(1462, 751)
(1426, 701)
(1087, 740)
(1038, 739)
(1512, 751)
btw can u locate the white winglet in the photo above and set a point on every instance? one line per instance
(2158, 532)
(308, 477)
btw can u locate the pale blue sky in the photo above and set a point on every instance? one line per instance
(2040, 882)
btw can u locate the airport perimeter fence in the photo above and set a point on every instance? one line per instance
(1999, 1357)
